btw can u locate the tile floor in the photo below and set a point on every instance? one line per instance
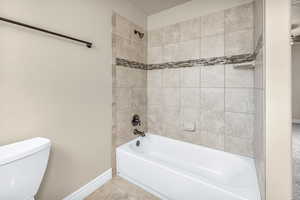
(296, 157)
(119, 189)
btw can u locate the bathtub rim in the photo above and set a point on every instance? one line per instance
(249, 159)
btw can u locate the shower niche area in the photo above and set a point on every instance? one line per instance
(198, 81)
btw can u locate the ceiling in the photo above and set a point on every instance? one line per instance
(154, 6)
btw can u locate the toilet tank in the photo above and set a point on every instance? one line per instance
(22, 167)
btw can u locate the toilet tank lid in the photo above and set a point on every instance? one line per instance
(19, 150)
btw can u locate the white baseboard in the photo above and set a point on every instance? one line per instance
(296, 121)
(90, 187)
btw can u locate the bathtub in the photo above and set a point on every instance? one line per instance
(175, 170)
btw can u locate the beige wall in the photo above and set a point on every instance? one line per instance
(296, 81)
(189, 10)
(60, 90)
(278, 100)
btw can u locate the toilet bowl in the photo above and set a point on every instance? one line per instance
(22, 167)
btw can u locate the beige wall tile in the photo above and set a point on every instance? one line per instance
(171, 34)
(239, 42)
(171, 96)
(239, 146)
(259, 140)
(190, 29)
(191, 137)
(138, 78)
(139, 52)
(171, 53)
(139, 96)
(190, 114)
(212, 76)
(190, 77)
(212, 46)
(154, 78)
(258, 21)
(212, 140)
(239, 18)
(213, 24)
(123, 98)
(122, 27)
(213, 122)
(123, 140)
(155, 55)
(156, 38)
(155, 96)
(259, 71)
(259, 125)
(259, 136)
(124, 48)
(190, 97)
(238, 78)
(239, 100)
(189, 50)
(123, 77)
(171, 122)
(239, 125)
(212, 99)
(114, 48)
(155, 118)
(124, 128)
(171, 78)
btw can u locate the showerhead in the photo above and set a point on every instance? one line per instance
(140, 34)
(295, 40)
(295, 34)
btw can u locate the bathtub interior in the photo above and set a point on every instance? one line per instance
(227, 171)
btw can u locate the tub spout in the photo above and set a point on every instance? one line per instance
(140, 133)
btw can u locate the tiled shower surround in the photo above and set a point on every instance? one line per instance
(181, 80)
(211, 105)
(186, 90)
(129, 84)
(207, 105)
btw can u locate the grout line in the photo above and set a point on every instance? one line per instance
(245, 113)
(224, 68)
(225, 85)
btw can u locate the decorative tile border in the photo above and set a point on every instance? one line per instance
(131, 64)
(205, 62)
(188, 63)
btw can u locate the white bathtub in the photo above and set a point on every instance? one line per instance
(174, 170)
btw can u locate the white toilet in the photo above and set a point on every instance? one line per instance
(22, 167)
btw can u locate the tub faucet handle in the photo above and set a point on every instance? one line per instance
(136, 121)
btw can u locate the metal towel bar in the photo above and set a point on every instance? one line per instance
(88, 44)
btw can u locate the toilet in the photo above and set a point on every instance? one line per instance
(22, 167)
